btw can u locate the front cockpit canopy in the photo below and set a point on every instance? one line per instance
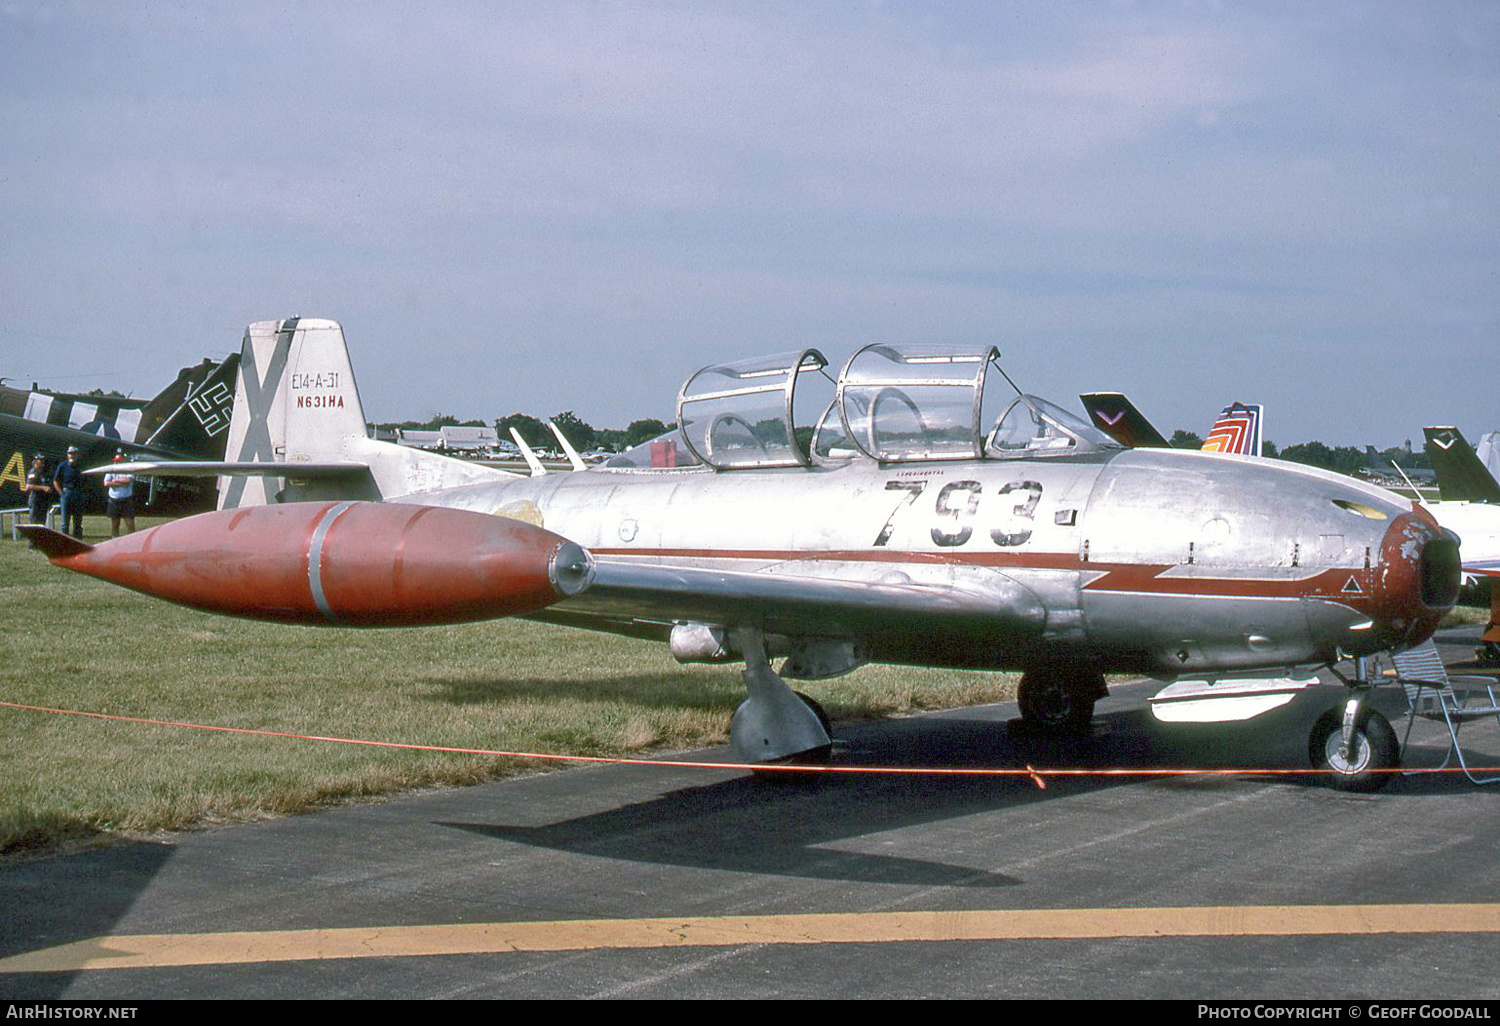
(1034, 427)
(915, 402)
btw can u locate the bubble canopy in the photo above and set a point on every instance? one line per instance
(741, 414)
(915, 402)
(892, 404)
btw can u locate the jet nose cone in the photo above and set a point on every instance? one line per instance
(1418, 579)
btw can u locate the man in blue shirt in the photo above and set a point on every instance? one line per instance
(68, 483)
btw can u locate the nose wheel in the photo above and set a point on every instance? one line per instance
(1366, 761)
(1354, 741)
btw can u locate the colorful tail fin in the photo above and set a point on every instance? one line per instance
(1237, 430)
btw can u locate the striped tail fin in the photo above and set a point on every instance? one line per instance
(1238, 430)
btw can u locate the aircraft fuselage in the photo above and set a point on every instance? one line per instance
(1148, 560)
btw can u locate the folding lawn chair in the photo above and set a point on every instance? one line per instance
(1431, 695)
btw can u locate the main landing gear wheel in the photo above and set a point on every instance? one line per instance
(819, 756)
(1058, 700)
(774, 725)
(818, 711)
(1375, 750)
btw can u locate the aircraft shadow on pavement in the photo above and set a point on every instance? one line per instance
(792, 828)
(70, 898)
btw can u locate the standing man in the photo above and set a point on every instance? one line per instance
(38, 489)
(68, 484)
(121, 489)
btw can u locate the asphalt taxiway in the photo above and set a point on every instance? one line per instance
(627, 881)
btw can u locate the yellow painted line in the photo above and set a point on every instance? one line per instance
(146, 951)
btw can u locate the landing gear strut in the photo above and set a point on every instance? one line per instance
(1059, 699)
(1354, 741)
(775, 724)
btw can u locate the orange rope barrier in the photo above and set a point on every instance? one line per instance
(1037, 776)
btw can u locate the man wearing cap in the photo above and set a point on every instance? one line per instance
(121, 488)
(38, 489)
(67, 482)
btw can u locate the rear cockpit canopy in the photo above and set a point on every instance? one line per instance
(742, 414)
(891, 404)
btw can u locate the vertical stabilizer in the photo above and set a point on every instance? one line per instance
(270, 355)
(1117, 417)
(1461, 477)
(198, 425)
(296, 402)
(1488, 451)
(1237, 430)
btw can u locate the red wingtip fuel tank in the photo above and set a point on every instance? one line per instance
(350, 564)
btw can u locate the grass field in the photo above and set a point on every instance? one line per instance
(76, 643)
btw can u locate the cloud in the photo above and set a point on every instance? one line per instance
(1132, 179)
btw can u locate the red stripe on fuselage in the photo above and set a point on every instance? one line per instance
(1124, 578)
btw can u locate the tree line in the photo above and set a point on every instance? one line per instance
(1345, 459)
(534, 431)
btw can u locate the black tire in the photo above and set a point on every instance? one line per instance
(818, 711)
(1376, 751)
(1059, 699)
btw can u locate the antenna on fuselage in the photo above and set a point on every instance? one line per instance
(573, 456)
(1415, 491)
(537, 470)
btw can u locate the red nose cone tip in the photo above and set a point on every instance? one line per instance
(1418, 579)
(356, 564)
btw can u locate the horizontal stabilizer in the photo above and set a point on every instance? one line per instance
(53, 544)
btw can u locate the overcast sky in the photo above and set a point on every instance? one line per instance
(550, 206)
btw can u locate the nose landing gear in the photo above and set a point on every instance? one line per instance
(1355, 742)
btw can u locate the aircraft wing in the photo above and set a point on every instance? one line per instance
(212, 468)
(626, 590)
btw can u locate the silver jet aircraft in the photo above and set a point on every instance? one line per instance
(926, 513)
